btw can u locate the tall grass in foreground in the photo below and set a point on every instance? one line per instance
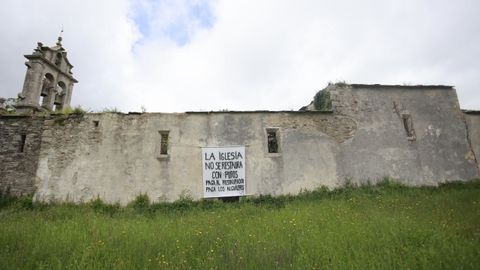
(388, 226)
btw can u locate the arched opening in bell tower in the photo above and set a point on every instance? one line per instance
(60, 93)
(47, 85)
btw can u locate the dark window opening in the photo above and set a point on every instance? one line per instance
(164, 143)
(23, 139)
(61, 88)
(47, 84)
(272, 141)
(96, 123)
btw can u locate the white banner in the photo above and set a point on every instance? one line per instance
(223, 171)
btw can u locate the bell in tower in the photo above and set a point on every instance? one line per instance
(49, 81)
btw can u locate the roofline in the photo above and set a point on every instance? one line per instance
(53, 114)
(471, 112)
(260, 111)
(378, 86)
(220, 112)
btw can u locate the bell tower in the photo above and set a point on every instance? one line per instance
(49, 80)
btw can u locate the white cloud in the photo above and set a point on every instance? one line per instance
(250, 55)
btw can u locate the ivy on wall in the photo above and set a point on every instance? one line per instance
(322, 101)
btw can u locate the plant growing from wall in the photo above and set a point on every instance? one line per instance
(78, 110)
(64, 114)
(110, 110)
(7, 106)
(322, 101)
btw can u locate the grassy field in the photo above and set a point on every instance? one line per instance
(383, 227)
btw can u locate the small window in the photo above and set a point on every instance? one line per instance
(272, 140)
(23, 139)
(96, 123)
(164, 142)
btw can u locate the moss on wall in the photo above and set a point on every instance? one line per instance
(322, 101)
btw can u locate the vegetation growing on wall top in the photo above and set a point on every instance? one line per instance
(110, 110)
(78, 110)
(322, 101)
(7, 106)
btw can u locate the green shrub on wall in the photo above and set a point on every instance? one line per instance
(322, 101)
(7, 106)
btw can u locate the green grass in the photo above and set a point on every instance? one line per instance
(388, 226)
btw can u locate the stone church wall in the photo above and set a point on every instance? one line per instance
(117, 156)
(414, 134)
(20, 138)
(473, 124)
(436, 151)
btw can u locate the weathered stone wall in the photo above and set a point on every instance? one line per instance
(438, 151)
(116, 156)
(415, 134)
(18, 164)
(473, 124)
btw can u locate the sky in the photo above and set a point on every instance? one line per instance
(201, 55)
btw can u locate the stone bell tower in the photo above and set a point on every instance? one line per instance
(49, 81)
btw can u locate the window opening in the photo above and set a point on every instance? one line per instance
(23, 139)
(61, 88)
(47, 84)
(272, 140)
(96, 123)
(46, 92)
(164, 142)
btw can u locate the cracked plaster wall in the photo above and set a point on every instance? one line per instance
(119, 158)
(440, 151)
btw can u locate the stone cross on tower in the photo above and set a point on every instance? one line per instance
(49, 81)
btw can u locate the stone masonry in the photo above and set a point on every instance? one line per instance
(20, 138)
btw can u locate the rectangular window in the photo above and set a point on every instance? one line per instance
(272, 140)
(23, 139)
(164, 142)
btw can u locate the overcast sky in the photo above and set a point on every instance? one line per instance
(184, 55)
